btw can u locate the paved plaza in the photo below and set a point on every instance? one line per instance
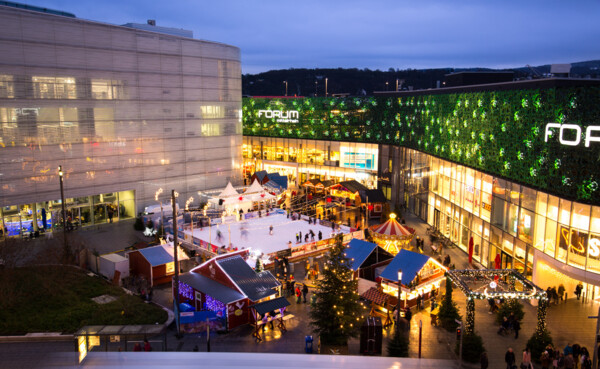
(567, 322)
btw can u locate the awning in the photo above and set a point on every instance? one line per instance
(271, 305)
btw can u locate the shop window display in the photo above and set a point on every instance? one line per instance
(578, 248)
(593, 262)
(550, 238)
(562, 238)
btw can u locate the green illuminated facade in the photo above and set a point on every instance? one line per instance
(502, 133)
(514, 168)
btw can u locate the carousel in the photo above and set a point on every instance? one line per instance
(391, 235)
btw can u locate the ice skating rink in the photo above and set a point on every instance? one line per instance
(254, 233)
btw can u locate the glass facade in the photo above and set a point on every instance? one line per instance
(503, 217)
(25, 220)
(122, 110)
(302, 160)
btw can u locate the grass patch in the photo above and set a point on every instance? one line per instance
(58, 299)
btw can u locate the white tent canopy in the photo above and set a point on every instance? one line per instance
(229, 191)
(230, 198)
(255, 188)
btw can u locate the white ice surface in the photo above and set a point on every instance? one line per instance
(258, 237)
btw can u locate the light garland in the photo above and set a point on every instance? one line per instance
(186, 291)
(212, 304)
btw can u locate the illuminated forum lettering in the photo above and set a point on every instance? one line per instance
(594, 249)
(280, 116)
(550, 127)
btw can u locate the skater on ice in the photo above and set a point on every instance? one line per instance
(271, 230)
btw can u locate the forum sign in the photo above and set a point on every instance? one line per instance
(574, 134)
(280, 116)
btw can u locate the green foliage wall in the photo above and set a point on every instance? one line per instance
(499, 132)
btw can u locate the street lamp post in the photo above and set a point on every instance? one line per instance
(64, 212)
(399, 292)
(174, 194)
(397, 80)
(162, 218)
(326, 87)
(386, 85)
(286, 87)
(316, 83)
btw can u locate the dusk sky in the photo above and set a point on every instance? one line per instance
(372, 34)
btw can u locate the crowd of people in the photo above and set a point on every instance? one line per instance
(571, 357)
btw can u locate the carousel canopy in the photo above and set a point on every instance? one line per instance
(228, 191)
(392, 228)
(409, 262)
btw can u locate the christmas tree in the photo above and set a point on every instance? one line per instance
(259, 265)
(448, 313)
(336, 313)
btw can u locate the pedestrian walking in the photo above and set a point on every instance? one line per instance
(509, 359)
(320, 235)
(578, 290)
(516, 327)
(526, 363)
(483, 360)
(147, 346)
(298, 295)
(304, 292)
(545, 360)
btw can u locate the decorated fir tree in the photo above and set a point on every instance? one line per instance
(336, 313)
(448, 313)
(259, 265)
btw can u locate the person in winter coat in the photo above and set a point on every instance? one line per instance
(304, 292)
(516, 327)
(545, 360)
(526, 363)
(298, 295)
(509, 358)
(484, 360)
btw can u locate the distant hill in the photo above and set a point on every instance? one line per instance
(301, 82)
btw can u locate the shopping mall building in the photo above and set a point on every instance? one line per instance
(513, 165)
(125, 110)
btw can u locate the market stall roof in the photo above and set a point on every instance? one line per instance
(228, 191)
(351, 186)
(277, 181)
(254, 285)
(409, 262)
(392, 228)
(211, 287)
(254, 188)
(311, 183)
(260, 175)
(357, 251)
(161, 254)
(327, 183)
(373, 196)
(271, 305)
(378, 297)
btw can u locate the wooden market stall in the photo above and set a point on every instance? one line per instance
(155, 264)
(228, 286)
(420, 274)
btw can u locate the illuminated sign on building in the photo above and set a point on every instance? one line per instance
(576, 129)
(280, 116)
